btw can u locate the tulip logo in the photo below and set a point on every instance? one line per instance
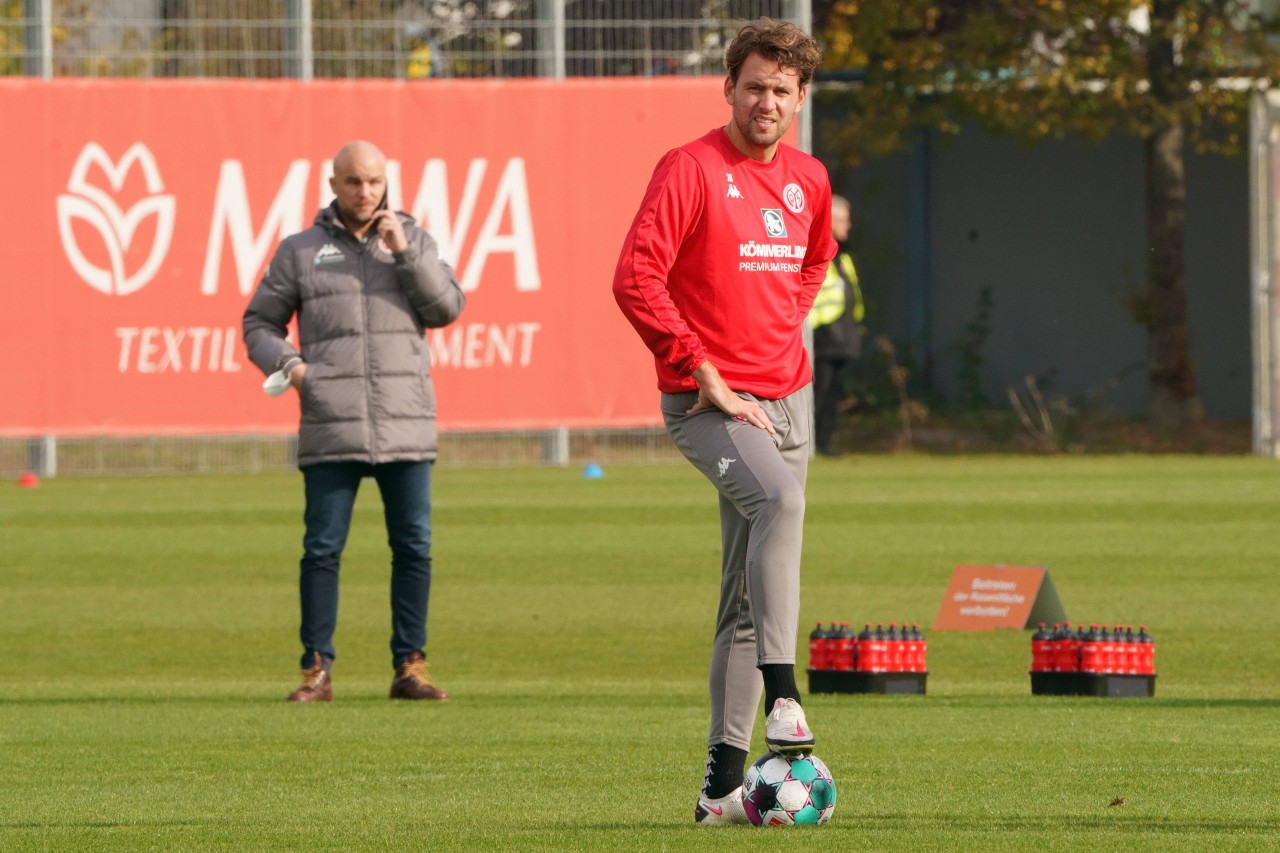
(98, 209)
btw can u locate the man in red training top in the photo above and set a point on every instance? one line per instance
(717, 274)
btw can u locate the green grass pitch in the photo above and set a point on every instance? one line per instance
(148, 637)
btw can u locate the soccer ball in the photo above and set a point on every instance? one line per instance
(782, 791)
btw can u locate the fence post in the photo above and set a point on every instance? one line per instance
(37, 38)
(300, 56)
(42, 456)
(551, 41)
(555, 446)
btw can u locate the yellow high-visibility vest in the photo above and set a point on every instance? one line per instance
(829, 304)
(420, 63)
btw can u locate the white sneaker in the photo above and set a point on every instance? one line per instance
(720, 811)
(785, 729)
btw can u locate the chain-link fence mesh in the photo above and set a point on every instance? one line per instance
(397, 39)
(85, 457)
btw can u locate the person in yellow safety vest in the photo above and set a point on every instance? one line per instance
(425, 59)
(836, 319)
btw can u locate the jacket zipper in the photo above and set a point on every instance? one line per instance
(368, 369)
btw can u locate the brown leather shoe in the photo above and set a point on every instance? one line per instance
(412, 681)
(315, 687)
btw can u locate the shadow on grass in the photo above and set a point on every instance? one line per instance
(1155, 703)
(1120, 822)
(99, 824)
(1219, 703)
(160, 700)
(379, 698)
(364, 700)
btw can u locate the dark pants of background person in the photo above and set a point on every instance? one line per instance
(331, 494)
(829, 376)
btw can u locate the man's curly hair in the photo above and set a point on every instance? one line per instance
(779, 41)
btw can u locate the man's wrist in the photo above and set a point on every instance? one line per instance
(704, 372)
(288, 363)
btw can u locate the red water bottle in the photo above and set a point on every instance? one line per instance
(922, 649)
(818, 648)
(1042, 650)
(883, 653)
(910, 648)
(831, 644)
(1108, 650)
(1066, 649)
(1125, 650)
(879, 650)
(844, 648)
(904, 639)
(1077, 641)
(1146, 652)
(865, 653)
(893, 640)
(1091, 651)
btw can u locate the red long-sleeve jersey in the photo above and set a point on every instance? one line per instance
(723, 262)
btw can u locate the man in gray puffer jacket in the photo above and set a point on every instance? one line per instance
(365, 283)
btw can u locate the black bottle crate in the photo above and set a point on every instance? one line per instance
(1106, 684)
(849, 681)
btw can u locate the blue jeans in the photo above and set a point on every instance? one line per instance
(331, 494)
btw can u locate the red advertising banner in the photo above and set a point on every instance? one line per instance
(141, 215)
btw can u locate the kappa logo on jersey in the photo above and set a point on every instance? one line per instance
(725, 462)
(328, 254)
(793, 196)
(733, 192)
(774, 225)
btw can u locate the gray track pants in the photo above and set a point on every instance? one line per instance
(760, 479)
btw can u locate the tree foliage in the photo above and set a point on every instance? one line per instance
(1047, 68)
(1173, 73)
(11, 46)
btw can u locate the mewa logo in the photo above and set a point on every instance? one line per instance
(506, 228)
(98, 209)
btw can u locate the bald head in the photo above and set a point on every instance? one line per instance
(357, 151)
(359, 183)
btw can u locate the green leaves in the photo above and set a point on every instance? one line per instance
(1045, 68)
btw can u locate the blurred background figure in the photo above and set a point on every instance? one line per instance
(426, 59)
(836, 320)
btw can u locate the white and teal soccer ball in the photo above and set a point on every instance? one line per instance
(787, 791)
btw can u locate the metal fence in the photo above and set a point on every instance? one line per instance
(49, 456)
(398, 39)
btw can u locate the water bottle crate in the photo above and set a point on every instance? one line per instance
(898, 648)
(1110, 685)
(850, 681)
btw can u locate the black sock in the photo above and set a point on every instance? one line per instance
(724, 770)
(779, 683)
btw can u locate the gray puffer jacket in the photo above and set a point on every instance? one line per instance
(362, 314)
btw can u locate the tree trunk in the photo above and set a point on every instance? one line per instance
(1174, 404)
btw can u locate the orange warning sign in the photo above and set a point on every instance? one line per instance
(981, 598)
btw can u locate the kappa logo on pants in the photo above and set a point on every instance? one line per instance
(724, 465)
